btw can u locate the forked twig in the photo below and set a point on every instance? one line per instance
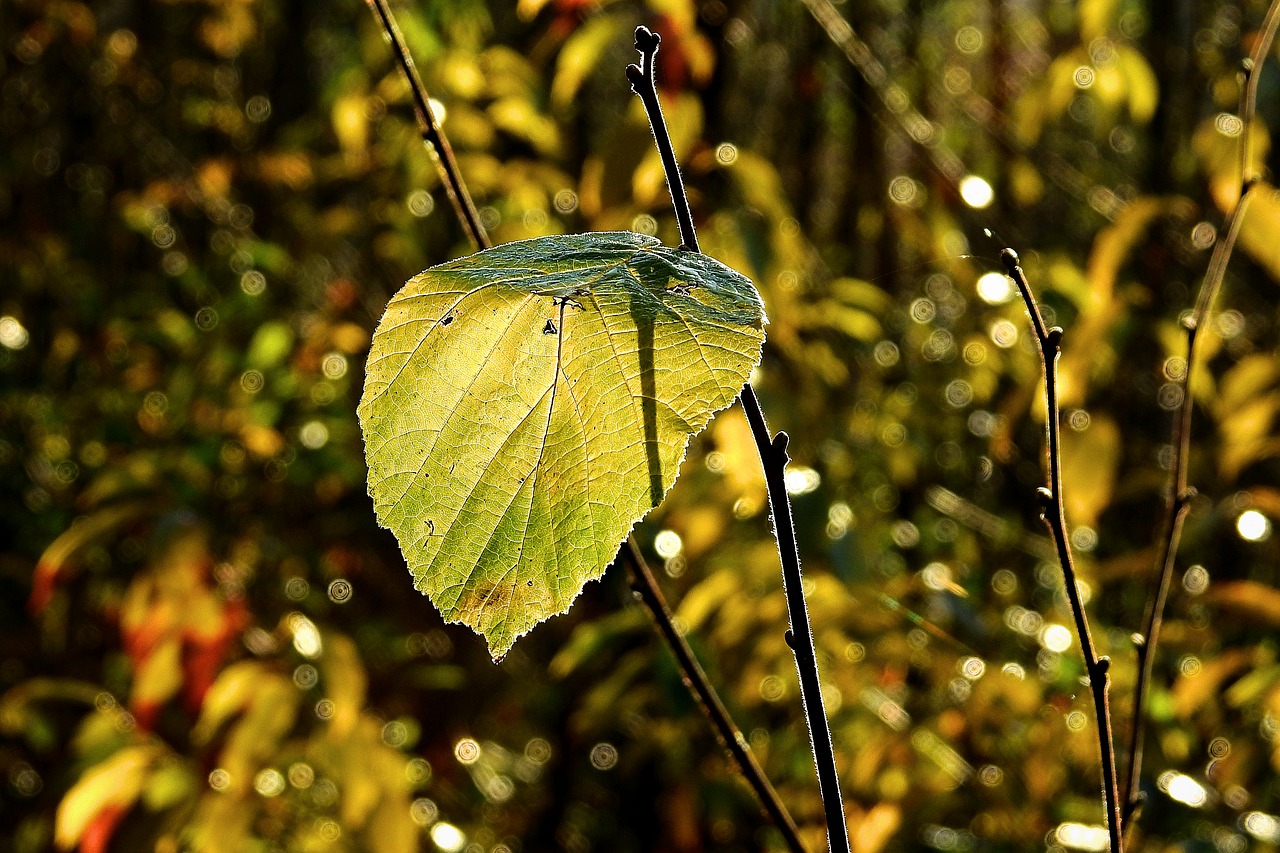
(639, 575)
(1049, 341)
(773, 456)
(1180, 494)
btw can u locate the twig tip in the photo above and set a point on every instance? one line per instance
(647, 40)
(1009, 258)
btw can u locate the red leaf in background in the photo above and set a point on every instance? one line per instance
(43, 582)
(673, 65)
(204, 654)
(97, 835)
(145, 715)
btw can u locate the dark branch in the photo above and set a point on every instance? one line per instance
(646, 588)
(1180, 493)
(773, 455)
(644, 84)
(1051, 510)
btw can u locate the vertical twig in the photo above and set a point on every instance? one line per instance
(639, 575)
(1180, 494)
(773, 456)
(1051, 510)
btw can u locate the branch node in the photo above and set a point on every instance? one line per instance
(636, 77)
(1102, 667)
(790, 639)
(1046, 500)
(1139, 641)
(1053, 338)
(779, 446)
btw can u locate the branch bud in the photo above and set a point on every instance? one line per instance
(647, 40)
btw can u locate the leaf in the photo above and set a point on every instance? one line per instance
(270, 345)
(113, 785)
(1090, 460)
(580, 55)
(1249, 600)
(1258, 230)
(524, 407)
(62, 552)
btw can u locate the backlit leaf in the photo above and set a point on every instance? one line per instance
(525, 406)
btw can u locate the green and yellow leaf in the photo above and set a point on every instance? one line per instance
(524, 407)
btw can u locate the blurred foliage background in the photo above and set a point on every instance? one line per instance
(206, 642)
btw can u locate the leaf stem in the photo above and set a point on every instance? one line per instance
(773, 456)
(429, 127)
(646, 588)
(641, 577)
(1050, 345)
(1180, 494)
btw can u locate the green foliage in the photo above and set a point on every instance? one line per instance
(178, 179)
(525, 406)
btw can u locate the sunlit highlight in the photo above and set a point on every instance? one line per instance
(1082, 836)
(1183, 788)
(1253, 526)
(667, 543)
(976, 192)
(801, 480)
(1262, 826)
(12, 334)
(448, 837)
(306, 636)
(1055, 638)
(994, 288)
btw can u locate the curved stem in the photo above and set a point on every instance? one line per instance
(1050, 345)
(1180, 493)
(430, 129)
(641, 577)
(646, 588)
(773, 456)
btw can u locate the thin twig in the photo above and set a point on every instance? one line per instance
(639, 575)
(1051, 508)
(773, 456)
(1180, 494)
(644, 84)
(646, 587)
(430, 129)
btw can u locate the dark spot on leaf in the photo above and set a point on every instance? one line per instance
(528, 583)
(431, 527)
(549, 328)
(447, 320)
